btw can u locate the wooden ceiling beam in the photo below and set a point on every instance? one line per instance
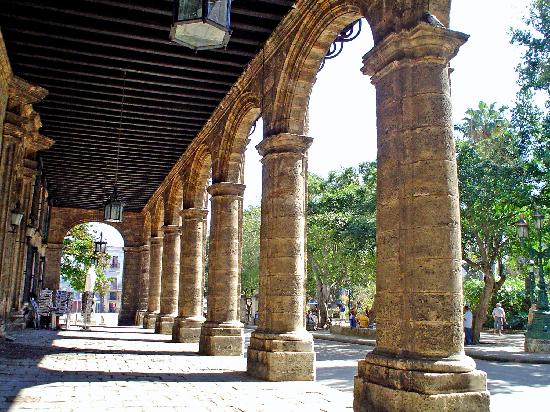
(63, 106)
(85, 73)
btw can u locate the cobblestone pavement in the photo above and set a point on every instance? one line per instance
(133, 369)
(513, 386)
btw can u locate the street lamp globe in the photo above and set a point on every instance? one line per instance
(538, 218)
(523, 229)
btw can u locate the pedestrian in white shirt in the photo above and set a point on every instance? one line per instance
(468, 326)
(500, 318)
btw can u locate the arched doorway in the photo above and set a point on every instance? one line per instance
(92, 260)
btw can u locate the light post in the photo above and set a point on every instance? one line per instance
(537, 338)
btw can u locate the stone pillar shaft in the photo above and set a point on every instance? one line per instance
(281, 349)
(222, 333)
(155, 269)
(419, 361)
(188, 324)
(169, 280)
(52, 270)
(143, 288)
(130, 285)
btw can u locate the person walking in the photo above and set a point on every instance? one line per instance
(353, 317)
(500, 318)
(468, 325)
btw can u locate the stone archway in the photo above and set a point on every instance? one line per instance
(62, 219)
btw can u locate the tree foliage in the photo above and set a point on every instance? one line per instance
(78, 248)
(341, 233)
(250, 273)
(534, 69)
(495, 188)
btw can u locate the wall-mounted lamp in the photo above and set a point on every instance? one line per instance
(16, 217)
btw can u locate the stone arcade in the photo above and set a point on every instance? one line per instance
(419, 361)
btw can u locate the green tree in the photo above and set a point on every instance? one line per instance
(495, 187)
(250, 273)
(534, 69)
(78, 248)
(341, 232)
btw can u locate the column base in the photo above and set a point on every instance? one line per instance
(392, 384)
(221, 339)
(149, 320)
(140, 316)
(187, 330)
(537, 338)
(281, 357)
(164, 324)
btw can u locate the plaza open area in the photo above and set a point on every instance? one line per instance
(128, 368)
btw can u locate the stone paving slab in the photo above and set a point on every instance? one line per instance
(133, 369)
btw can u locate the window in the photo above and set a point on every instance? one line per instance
(115, 264)
(112, 295)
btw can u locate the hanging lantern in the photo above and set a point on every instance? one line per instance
(201, 24)
(112, 211)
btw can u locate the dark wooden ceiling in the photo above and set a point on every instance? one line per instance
(79, 49)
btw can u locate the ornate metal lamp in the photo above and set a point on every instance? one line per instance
(114, 207)
(537, 338)
(100, 246)
(16, 217)
(112, 211)
(523, 229)
(94, 259)
(201, 24)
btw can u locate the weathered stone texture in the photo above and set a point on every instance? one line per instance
(155, 269)
(419, 357)
(187, 326)
(130, 286)
(222, 333)
(169, 280)
(281, 349)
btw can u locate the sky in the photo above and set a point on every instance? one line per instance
(342, 105)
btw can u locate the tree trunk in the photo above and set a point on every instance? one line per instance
(323, 295)
(480, 313)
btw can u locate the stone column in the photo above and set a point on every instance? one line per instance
(169, 280)
(52, 271)
(280, 348)
(130, 286)
(419, 361)
(222, 333)
(187, 326)
(143, 288)
(155, 268)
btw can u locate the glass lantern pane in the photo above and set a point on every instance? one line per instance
(16, 218)
(218, 12)
(189, 9)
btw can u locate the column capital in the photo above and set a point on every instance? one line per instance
(226, 189)
(284, 143)
(171, 230)
(156, 240)
(54, 246)
(194, 213)
(422, 42)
